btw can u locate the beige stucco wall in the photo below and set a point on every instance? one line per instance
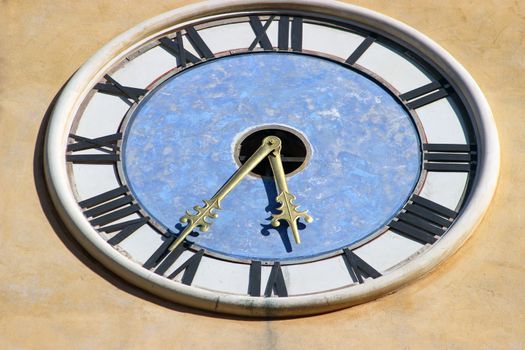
(53, 295)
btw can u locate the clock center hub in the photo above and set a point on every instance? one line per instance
(295, 150)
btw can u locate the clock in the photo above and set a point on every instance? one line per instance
(271, 158)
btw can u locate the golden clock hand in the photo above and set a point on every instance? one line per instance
(288, 210)
(268, 145)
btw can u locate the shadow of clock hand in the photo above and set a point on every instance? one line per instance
(180, 227)
(271, 208)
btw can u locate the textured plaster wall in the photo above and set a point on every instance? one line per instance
(53, 295)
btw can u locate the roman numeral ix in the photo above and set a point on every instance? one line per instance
(106, 145)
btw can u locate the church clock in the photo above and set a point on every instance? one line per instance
(271, 158)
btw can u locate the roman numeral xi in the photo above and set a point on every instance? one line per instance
(175, 46)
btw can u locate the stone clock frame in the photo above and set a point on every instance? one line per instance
(473, 209)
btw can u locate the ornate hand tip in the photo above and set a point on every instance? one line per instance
(199, 218)
(307, 217)
(289, 213)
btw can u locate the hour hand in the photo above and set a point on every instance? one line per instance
(203, 214)
(288, 210)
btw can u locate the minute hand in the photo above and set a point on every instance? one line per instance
(268, 145)
(288, 209)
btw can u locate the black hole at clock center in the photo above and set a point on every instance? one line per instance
(294, 151)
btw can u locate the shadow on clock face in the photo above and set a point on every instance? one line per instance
(267, 228)
(271, 208)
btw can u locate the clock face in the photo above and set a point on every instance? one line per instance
(384, 144)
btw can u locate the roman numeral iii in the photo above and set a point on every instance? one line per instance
(449, 157)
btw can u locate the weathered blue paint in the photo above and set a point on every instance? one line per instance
(178, 150)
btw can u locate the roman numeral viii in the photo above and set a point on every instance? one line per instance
(110, 206)
(422, 220)
(162, 259)
(106, 147)
(275, 283)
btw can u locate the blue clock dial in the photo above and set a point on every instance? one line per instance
(364, 152)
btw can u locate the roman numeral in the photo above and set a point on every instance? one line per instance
(424, 95)
(107, 145)
(275, 283)
(260, 33)
(449, 157)
(125, 229)
(285, 40)
(365, 44)
(163, 259)
(358, 268)
(112, 87)
(284, 34)
(175, 46)
(422, 220)
(111, 206)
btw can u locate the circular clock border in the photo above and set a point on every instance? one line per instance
(474, 208)
(387, 87)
